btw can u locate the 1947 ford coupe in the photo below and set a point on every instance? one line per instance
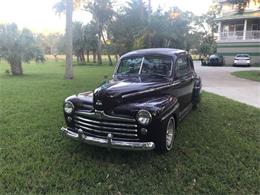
(140, 108)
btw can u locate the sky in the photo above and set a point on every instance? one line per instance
(39, 16)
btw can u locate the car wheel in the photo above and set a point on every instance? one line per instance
(167, 137)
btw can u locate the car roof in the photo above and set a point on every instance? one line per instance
(154, 51)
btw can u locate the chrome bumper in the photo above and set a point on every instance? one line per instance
(109, 142)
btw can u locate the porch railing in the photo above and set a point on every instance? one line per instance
(239, 35)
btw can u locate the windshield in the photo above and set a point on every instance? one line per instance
(242, 56)
(150, 65)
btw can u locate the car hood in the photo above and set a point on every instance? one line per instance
(110, 94)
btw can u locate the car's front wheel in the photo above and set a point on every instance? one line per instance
(167, 136)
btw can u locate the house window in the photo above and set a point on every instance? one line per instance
(239, 27)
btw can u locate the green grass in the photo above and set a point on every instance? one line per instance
(216, 151)
(253, 75)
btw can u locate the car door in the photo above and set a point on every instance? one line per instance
(183, 80)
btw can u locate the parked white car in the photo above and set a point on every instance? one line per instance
(242, 60)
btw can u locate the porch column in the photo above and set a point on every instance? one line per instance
(245, 28)
(219, 30)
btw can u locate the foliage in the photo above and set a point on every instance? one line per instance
(78, 41)
(60, 6)
(215, 151)
(50, 43)
(206, 27)
(132, 26)
(17, 46)
(208, 46)
(241, 4)
(129, 24)
(102, 12)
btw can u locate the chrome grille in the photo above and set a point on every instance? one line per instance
(98, 124)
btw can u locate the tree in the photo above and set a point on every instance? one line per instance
(18, 46)
(128, 25)
(79, 42)
(207, 27)
(49, 43)
(69, 46)
(91, 39)
(102, 13)
(60, 7)
(241, 4)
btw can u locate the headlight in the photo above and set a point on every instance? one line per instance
(68, 107)
(144, 117)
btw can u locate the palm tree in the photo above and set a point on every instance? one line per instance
(102, 14)
(69, 46)
(18, 46)
(60, 7)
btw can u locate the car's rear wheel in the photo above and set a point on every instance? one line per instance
(166, 139)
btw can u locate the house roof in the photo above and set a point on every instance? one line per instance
(244, 15)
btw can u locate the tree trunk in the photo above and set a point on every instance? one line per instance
(69, 57)
(108, 54)
(87, 56)
(94, 56)
(99, 48)
(116, 57)
(16, 67)
(83, 57)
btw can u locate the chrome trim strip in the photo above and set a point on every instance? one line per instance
(106, 132)
(106, 128)
(105, 123)
(141, 146)
(169, 113)
(102, 115)
(92, 134)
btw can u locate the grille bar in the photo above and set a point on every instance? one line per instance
(105, 123)
(105, 128)
(105, 132)
(105, 137)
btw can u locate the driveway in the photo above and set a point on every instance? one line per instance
(219, 80)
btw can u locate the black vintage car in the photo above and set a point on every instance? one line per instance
(140, 108)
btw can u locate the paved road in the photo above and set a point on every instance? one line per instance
(219, 80)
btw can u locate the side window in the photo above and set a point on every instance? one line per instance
(182, 66)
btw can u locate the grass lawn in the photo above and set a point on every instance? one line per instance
(217, 149)
(253, 75)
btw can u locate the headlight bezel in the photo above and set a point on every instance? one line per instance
(72, 107)
(144, 114)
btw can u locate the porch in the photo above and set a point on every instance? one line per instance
(239, 30)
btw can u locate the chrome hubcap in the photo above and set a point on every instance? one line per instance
(170, 133)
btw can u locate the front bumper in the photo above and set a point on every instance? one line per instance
(109, 142)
